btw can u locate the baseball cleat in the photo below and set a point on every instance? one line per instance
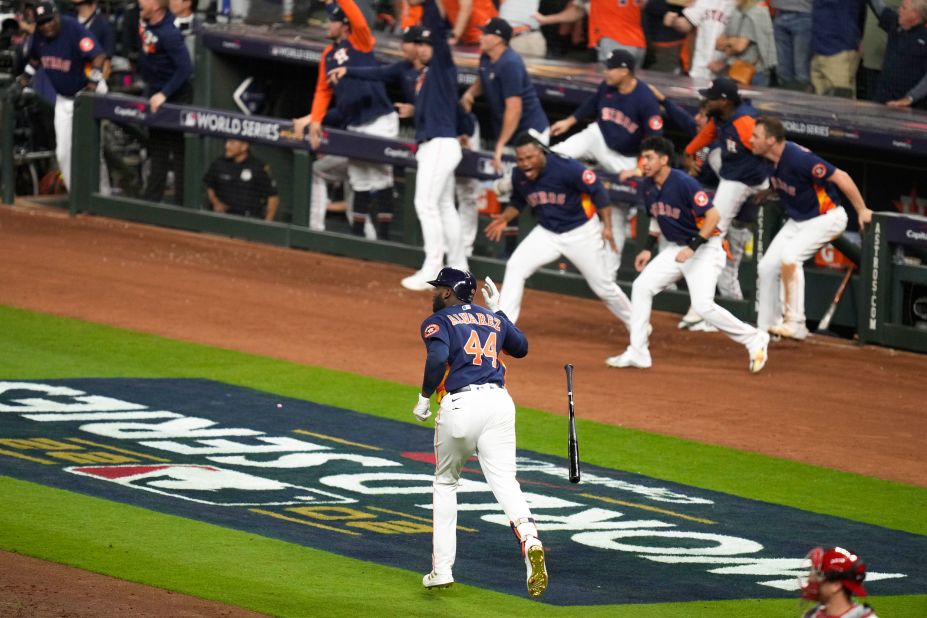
(438, 580)
(628, 359)
(791, 330)
(759, 356)
(417, 282)
(702, 327)
(537, 571)
(689, 320)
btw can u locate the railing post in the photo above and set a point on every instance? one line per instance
(85, 165)
(7, 171)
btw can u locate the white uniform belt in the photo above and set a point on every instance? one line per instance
(476, 387)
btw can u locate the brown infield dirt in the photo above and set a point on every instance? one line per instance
(825, 401)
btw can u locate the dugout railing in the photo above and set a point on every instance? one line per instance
(198, 123)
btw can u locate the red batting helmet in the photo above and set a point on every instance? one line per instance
(832, 564)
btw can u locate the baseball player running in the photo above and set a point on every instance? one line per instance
(569, 201)
(438, 152)
(64, 48)
(476, 415)
(685, 215)
(807, 187)
(835, 576)
(362, 105)
(625, 112)
(731, 122)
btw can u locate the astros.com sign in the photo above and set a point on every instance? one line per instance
(310, 474)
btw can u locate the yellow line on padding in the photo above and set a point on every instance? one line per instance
(649, 508)
(26, 457)
(120, 450)
(338, 440)
(304, 522)
(415, 517)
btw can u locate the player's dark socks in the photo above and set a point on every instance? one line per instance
(362, 201)
(381, 207)
(357, 225)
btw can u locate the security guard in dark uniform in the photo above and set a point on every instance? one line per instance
(240, 184)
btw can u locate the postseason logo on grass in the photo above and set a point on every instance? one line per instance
(360, 485)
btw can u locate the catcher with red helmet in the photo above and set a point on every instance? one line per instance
(836, 575)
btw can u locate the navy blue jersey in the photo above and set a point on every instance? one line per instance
(507, 77)
(679, 206)
(103, 31)
(476, 339)
(66, 57)
(163, 61)
(624, 119)
(738, 163)
(837, 26)
(436, 90)
(564, 196)
(905, 62)
(800, 179)
(358, 102)
(403, 72)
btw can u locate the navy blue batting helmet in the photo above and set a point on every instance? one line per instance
(461, 282)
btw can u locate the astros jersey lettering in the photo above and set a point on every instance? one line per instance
(709, 17)
(476, 338)
(800, 179)
(679, 206)
(624, 119)
(564, 196)
(65, 57)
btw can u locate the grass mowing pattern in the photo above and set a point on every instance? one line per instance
(284, 579)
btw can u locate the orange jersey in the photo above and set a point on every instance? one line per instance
(410, 15)
(483, 11)
(619, 20)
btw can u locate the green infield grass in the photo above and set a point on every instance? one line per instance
(285, 579)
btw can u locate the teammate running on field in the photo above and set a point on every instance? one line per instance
(835, 577)
(362, 106)
(807, 186)
(574, 221)
(464, 366)
(684, 213)
(625, 112)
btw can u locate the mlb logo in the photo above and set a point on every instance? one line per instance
(188, 119)
(208, 484)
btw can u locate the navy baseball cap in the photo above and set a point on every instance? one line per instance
(424, 36)
(336, 14)
(722, 88)
(45, 12)
(411, 34)
(620, 59)
(499, 27)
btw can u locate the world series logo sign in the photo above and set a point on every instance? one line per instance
(360, 486)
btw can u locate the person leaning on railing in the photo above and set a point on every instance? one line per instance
(903, 82)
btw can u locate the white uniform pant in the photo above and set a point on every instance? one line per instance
(796, 242)
(365, 176)
(728, 280)
(583, 246)
(481, 421)
(589, 144)
(434, 205)
(701, 274)
(470, 199)
(730, 196)
(64, 124)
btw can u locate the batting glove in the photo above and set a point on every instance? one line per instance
(491, 295)
(422, 409)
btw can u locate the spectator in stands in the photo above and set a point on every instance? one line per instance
(464, 16)
(748, 45)
(708, 18)
(903, 82)
(666, 46)
(874, 41)
(612, 25)
(187, 22)
(527, 38)
(792, 28)
(239, 183)
(837, 31)
(166, 69)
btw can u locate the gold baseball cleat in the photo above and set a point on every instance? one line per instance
(537, 571)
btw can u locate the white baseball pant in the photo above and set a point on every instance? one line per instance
(64, 123)
(480, 421)
(434, 205)
(325, 169)
(470, 198)
(365, 176)
(589, 144)
(701, 274)
(730, 196)
(796, 242)
(728, 280)
(583, 246)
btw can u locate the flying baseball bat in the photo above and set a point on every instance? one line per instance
(572, 444)
(825, 321)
